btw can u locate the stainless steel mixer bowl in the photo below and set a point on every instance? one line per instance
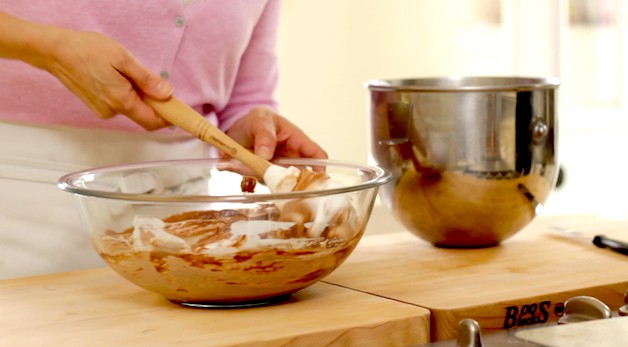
(473, 158)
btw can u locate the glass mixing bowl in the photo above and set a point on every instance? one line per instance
(186, 230)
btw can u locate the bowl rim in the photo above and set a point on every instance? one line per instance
(470, 83)
(66, 182)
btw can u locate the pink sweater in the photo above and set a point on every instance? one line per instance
(218, 54)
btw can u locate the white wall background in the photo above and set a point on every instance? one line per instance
(329, 48)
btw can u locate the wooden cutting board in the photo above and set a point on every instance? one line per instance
(99, 308)
(523, 281)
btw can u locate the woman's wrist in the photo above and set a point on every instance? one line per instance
(32, 43)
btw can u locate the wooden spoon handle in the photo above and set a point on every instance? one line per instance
(178, 113)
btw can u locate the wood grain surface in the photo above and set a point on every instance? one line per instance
(99, 308)
(524, 280)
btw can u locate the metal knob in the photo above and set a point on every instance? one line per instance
(469, 334)
(584, 308)
(540, 131)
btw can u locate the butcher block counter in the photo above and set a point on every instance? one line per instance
(523, 281)
(100, 308)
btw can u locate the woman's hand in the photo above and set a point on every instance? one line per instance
(96, 68)
(270, 135)
(107, 77)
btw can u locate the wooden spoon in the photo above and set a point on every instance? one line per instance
(180, 114)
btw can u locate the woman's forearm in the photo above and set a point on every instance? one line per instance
(30, 42)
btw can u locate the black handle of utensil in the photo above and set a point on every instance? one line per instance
(614, 245)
